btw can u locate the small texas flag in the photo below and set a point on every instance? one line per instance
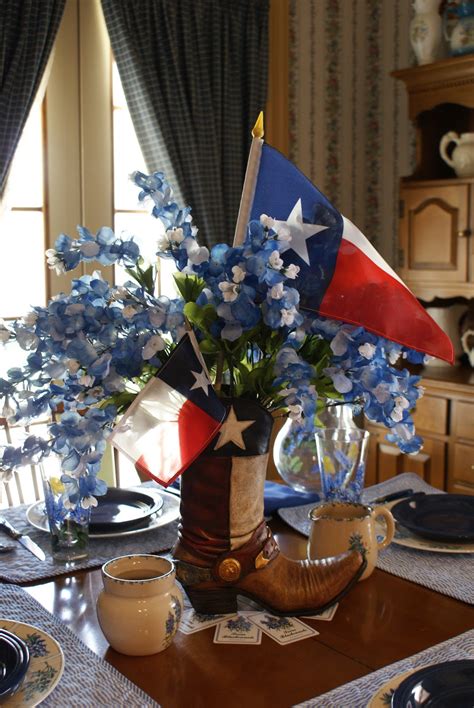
(173, 418)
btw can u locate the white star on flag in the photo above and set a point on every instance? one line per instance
(202, 381)
(232, 431)
(300, 232)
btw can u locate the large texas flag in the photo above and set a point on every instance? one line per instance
(341, 274)
(173, 419)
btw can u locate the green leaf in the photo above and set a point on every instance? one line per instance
(189, 286)
(201, 317)
(208, 346)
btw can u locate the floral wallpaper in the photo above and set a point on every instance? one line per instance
(349, 127)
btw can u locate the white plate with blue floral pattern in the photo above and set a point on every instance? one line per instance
(45, 669)
(383, 697)
(404, 537)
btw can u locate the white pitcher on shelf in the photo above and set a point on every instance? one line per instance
(462, 157)
(426, 31)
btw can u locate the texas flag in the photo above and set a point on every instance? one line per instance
(173, 418)
(341, 274)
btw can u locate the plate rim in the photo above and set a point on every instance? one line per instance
(433, 535)
(11, 699)
(430, 545)
(22, 660)
(431, 668)
(374, 701)
(158, 521)
(138, 491)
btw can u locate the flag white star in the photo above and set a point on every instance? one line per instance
(201, 381)
(232, 431)
(300, 232)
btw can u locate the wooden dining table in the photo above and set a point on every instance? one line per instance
(382, 620)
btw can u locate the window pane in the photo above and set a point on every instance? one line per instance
(22, 265)
(118, 96)
(11, 356)
(26, 178)
(167, 284)
(145, 229)
(127, 159)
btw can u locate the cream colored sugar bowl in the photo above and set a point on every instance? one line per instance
(140, 607)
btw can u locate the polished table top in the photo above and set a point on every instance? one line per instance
(382, 620)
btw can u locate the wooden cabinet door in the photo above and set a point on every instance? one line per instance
(461, 452)
(461, 469)
(386, 460)
(434, 233)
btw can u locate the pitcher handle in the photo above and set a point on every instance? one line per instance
(450, 137)
(387, 515)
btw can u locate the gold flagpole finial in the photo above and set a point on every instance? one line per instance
(257, 130)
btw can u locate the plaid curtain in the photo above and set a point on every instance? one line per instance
(27, 32)
(194, 74)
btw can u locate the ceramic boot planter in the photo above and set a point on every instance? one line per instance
(225, 548)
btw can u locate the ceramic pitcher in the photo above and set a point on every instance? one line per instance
(140, 607)
(462, 157)
(337, 527)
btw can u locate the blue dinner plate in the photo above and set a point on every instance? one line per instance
(441, 517)
(123, 509)
(14, 662)
(446, 685)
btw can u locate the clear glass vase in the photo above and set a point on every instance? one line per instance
(294, 451)
(68, 522)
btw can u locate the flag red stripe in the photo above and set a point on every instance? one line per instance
(179, 443)
(359, 287)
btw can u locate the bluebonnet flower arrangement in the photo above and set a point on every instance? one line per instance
(92, 350)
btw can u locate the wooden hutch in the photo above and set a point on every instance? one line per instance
(436, 240)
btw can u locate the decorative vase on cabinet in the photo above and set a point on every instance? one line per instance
(426, 31)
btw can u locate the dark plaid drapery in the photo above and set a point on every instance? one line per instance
(27, 32)
(194, 74)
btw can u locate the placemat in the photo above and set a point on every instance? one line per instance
(21, 566)
(358, 693)
(449, 574)
(87, 680)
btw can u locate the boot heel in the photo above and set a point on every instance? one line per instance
(213, 602)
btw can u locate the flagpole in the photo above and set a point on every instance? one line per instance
(195, 343)
(250, 181)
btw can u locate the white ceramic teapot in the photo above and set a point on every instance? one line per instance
(462, 157)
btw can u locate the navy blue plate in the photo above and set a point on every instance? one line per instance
(123, 509)
(14, 662)
(446, 685)
(441, 517)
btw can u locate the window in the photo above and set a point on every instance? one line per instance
(23, 227)
(72, 167)
(129, 215)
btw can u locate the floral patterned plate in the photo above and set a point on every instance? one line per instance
(45, 669)
(404, 537)
(383, 697)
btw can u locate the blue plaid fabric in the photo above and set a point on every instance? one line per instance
(27, 32)
(194, 74)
